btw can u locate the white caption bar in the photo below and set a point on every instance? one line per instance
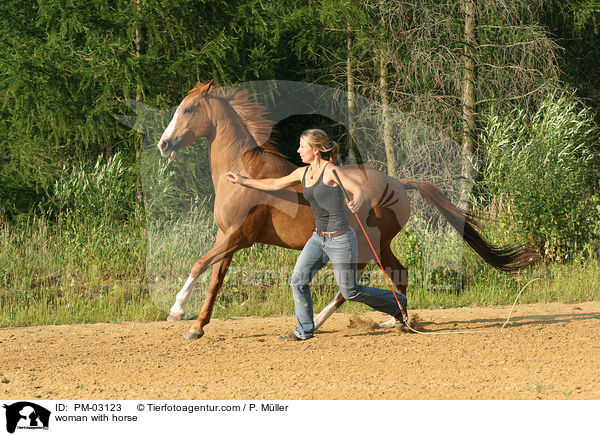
(152, 417)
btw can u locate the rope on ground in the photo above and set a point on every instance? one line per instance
(518, 295)
(462, 332)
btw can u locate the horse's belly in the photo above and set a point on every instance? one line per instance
(287, 231)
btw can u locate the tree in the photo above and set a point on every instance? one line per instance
(448, 64)
(468, 104)
(66, 68)
(576, 26)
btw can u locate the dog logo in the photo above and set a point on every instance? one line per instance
(25, 415)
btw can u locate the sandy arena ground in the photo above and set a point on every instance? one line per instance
(546, 351)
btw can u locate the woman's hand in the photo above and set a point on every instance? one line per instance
(234, 178)
(354, 205)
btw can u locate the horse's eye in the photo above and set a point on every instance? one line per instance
(188, 110)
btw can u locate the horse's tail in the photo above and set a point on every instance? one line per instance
(509, 258)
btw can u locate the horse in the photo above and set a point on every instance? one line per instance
(238, 131)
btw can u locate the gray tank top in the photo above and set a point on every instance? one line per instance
(327, 203)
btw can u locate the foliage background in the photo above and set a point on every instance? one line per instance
(70, 189)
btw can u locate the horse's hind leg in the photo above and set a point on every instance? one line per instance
(216, 281)
(399, 276)
(337, 301)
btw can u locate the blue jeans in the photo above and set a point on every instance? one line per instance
(342, 250)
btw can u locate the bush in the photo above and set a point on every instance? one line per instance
(547, 167)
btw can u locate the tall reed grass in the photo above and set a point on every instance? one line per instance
(53, 273)
(546, 167)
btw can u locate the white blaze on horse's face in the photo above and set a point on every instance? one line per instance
(183, 128)
(167, 135)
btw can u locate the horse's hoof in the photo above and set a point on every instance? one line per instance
(174, 316)
(388, 324)
(194, 334)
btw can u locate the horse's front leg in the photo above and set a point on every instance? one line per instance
(177, 311)
(216, 281)
(221, 254)
(225, 246)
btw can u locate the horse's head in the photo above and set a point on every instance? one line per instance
(190, 122)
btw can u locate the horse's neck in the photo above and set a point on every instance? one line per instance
(225, 153)
(234, 149)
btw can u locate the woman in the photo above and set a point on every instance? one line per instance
(333, 239)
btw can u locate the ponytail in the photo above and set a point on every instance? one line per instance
(333, 152)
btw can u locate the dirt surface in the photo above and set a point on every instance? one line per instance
(546, 351)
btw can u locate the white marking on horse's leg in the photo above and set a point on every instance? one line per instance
(388, 324)
(325, 313)
(182, 298)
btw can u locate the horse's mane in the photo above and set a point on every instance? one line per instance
(252, 114)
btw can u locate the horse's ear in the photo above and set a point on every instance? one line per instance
(204, 88)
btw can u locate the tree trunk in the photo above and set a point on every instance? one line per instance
(388, 142)
(468, 104)
(140, 48)
(352, 151)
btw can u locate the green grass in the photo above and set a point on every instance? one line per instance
(62, 273)
(59, 274)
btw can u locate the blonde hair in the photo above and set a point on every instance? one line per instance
(318, 139)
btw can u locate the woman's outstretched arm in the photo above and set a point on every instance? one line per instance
(274, 184)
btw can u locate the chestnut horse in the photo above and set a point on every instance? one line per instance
(238, 133)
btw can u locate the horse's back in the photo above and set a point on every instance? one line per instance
(386, 200)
